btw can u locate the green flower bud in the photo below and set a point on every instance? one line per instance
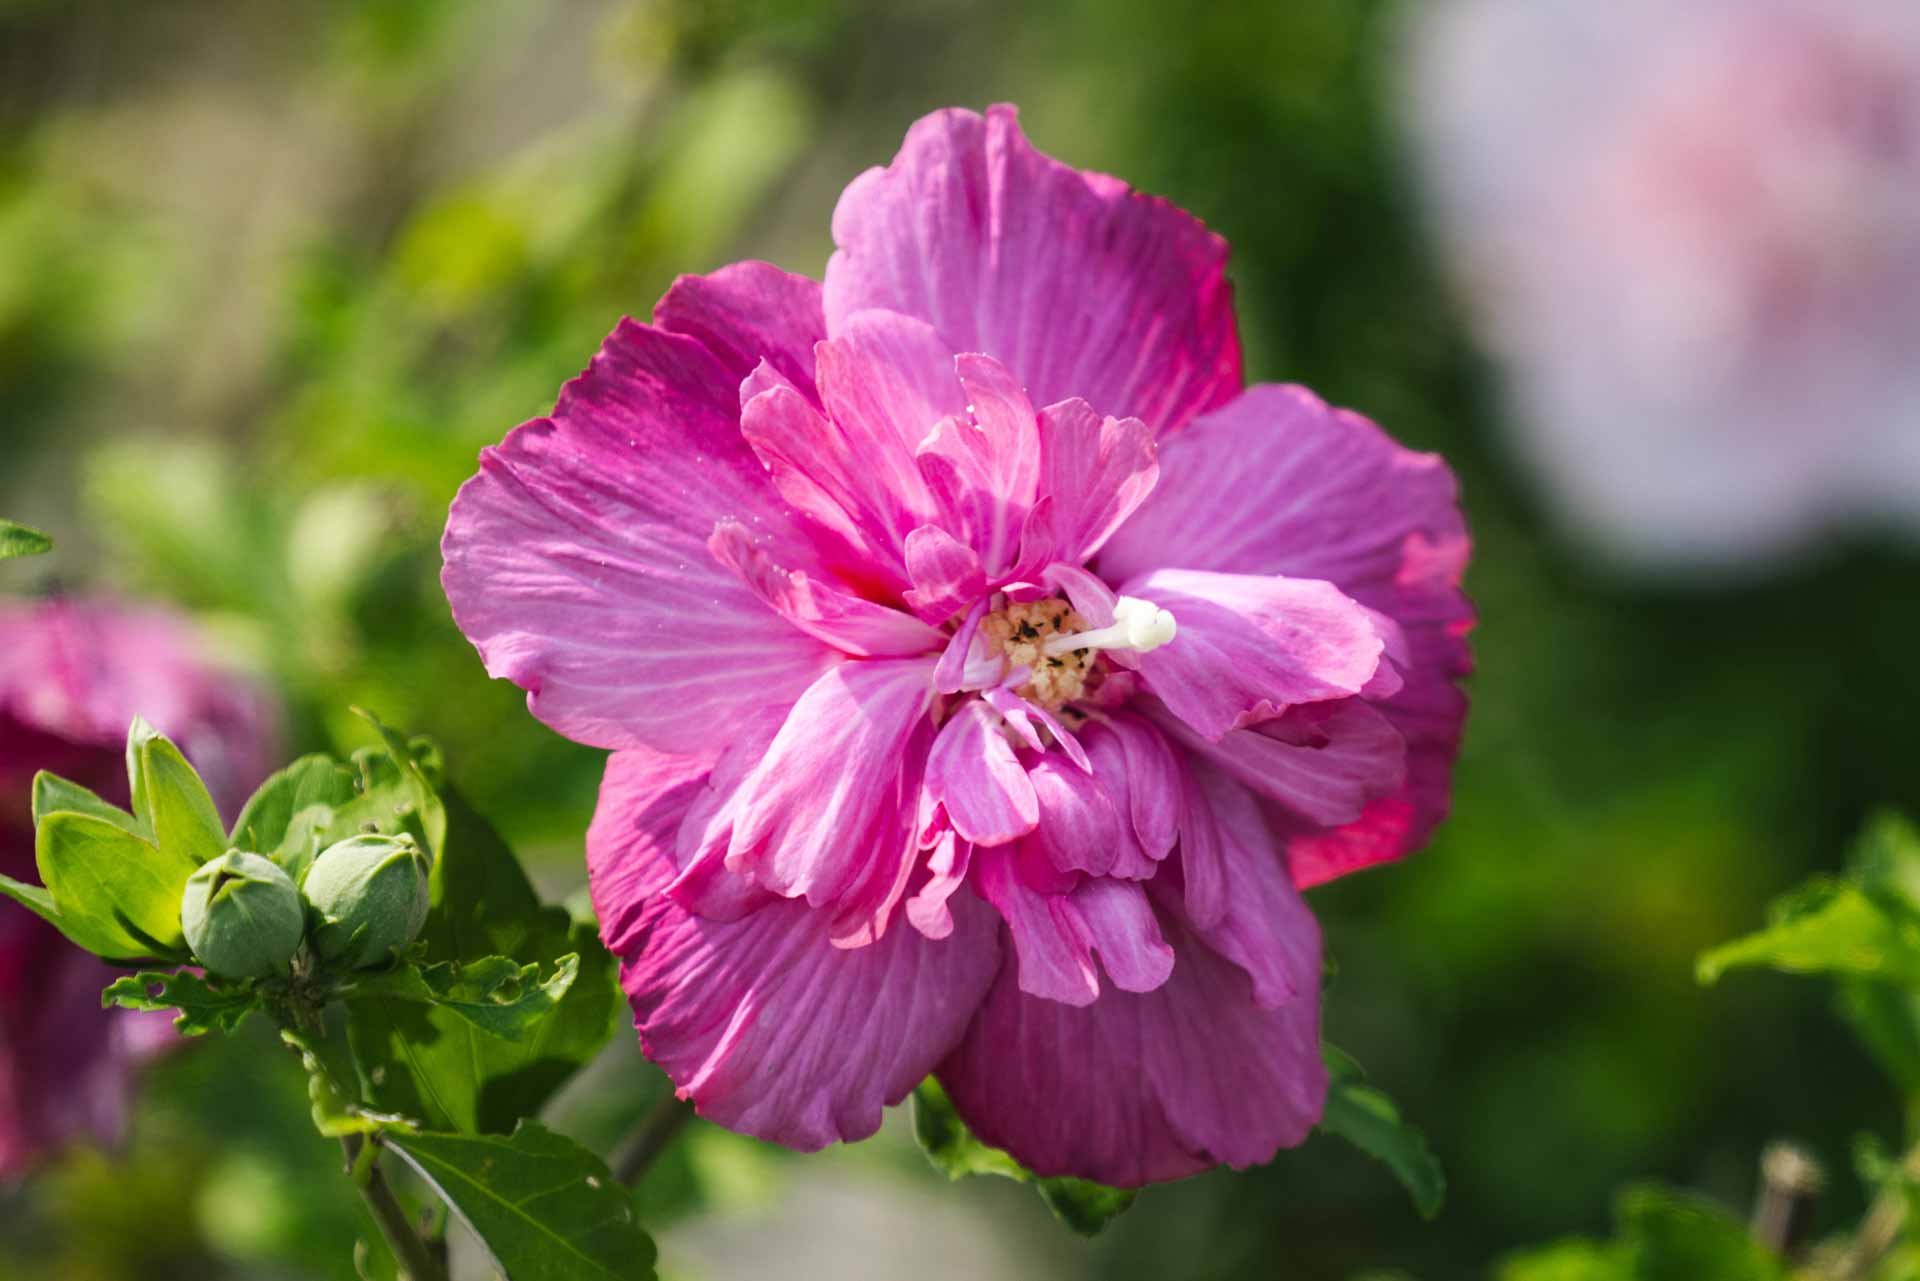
(242, 916)
(366, 896)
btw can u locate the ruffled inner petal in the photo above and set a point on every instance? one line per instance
(847, 622)
(1250, 647)
(983, 466)
(1097, 471)
(827, 801)
(975, 775)
(1322, 763)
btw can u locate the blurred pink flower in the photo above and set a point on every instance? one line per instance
(1691, 230)
(73, 674)
(932, 676)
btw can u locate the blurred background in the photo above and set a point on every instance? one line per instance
(270, 275)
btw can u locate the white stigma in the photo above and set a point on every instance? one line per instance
(1138, 625)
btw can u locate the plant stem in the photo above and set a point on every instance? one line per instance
(1790, 1186)
(637, 1153)
(1878, 1232)
(417, 1263)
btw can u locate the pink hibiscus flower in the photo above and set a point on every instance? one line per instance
(1692, 232)
(73, 674)
(957, 623)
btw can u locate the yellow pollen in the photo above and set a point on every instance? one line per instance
(1021, 629)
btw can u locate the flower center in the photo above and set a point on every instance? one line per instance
(1037, 635)
(1054, 644)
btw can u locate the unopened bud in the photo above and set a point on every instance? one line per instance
(242, 916)
(366, 895)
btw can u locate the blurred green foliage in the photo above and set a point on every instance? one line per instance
(271, 275)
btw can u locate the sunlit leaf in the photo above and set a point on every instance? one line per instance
(52, 794)
(205, 1004)
(1661, 1236)
(186, 824)
(268, 816)
(545, 1208)
(1831, 929)
(494, 993)
(118, 896)
(1672, 1237)
(21, 540)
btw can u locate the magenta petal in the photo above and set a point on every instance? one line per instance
(1097, 470)
(1193, 1074)
(1236, 887)
(1427, 714)
(1133, 763)
(823, 611)
(1117, 922)
(1239, 896)
(984, 466)
(945, 573)
(576, 560)
(1317, 493)
(1091, 598)
(1051, 956)
(947, 867)
(973, 772)
(1078, 284)
(826, 800)
(1249, 647)
(1016, 711)
(1078, 830)
(963, 664)
(768, 1028)
(1323, 493)
(830, 478)
(1323, 763)
(748, 312)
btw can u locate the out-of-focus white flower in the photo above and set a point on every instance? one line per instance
(1690, 230)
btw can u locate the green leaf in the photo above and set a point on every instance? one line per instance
(1672, 1237)
(36, 900)
(1084, 1206)
(118, 896)
(21, 540)
(545, 1208)
(186, 823)
(1832, 928)
(52, 794)
(1886, 1017)
(308, 832)
(391, 799)
(205, 1004)
(496, 994)
(1662, 1236)
(1886, 862)
(1369, 1120)
(1565, 1261)
(268, 816)
(139, 734)
(433, 1062)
